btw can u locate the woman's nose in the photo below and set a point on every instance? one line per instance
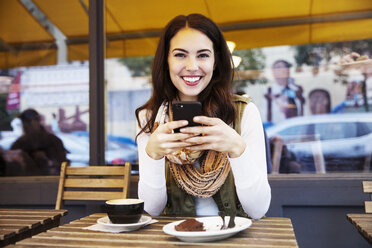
(191, 64)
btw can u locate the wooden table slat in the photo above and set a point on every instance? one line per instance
(363, 223)
(18, 224)
(155, 237)
(268, 233)
(98, 242)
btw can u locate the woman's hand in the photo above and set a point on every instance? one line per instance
(349, 58)
(216, 135)
(162, 141)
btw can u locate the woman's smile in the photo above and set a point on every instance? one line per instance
(191, 80)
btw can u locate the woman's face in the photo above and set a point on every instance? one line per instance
(191, 63)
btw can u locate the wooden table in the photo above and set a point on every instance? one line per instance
(18, 224)
(363, 222)
(265, 233)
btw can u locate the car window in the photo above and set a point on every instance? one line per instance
(296, 130)
(364, 128)
(336, 130)
(298, 133)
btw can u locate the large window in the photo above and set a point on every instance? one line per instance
(315, 112)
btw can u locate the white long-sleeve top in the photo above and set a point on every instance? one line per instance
(249, 170)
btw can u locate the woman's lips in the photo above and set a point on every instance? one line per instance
(191, 81)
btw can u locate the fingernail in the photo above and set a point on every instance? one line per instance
(182, 129)
(196, 118)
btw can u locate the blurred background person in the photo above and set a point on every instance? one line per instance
(284, 98)
(319, 102)
(54, 124)
(43, 150)
(2, 163)
(364, 65)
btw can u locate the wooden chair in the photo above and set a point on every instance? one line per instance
(316, 148)
(367, 188)
(277, 155)
(93, 183)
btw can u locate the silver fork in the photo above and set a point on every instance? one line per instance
(222, 215)
(231, 221)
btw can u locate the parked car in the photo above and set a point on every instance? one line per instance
(345, 140)
(118, 150)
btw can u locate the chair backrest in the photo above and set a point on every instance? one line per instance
(93, 183)
(276, 155)
(367, 188)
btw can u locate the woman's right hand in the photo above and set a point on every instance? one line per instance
(349, 58)
(163, 141)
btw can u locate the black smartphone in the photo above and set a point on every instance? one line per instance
(186, 111)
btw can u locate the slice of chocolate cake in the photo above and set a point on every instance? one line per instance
(190, 225)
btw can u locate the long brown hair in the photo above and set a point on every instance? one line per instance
(216, 97)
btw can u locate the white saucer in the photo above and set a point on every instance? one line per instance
(212, 226)
(105, 221)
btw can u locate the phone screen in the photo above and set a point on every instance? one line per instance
(186, 111)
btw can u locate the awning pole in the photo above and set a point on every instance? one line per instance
(96, 82)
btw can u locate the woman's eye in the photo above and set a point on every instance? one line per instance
(203, 55)
(181, 55)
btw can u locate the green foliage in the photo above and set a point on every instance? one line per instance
(253, 59)
(5, 116)
(138, 66)
(302, 55)
(313, 54)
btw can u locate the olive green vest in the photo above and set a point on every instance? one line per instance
(182, 204)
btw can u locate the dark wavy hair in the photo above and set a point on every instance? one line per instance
(216, 98)
(29, 115)
(285, 62)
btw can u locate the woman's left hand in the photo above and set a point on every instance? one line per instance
(216, 135)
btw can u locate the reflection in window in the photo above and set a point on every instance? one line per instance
(331, 131)
(295, 88)
(297, 130)
(365, 128)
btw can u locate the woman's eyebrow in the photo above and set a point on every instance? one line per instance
(180, 49)
(185, 51)
(204, 50)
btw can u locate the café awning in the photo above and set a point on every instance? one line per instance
(133, 27)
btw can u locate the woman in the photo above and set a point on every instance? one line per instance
(284, 97)
(44, 150)
(222, 170)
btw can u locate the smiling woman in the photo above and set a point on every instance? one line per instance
(133, 29)
(186, 173)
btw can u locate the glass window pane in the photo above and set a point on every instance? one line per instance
(302, 93)
(331, 131)
(38, 74)
(296, 130)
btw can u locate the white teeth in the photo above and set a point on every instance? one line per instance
(191, 79)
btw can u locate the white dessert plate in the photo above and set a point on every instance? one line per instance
(105, 221)
(212, 226)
